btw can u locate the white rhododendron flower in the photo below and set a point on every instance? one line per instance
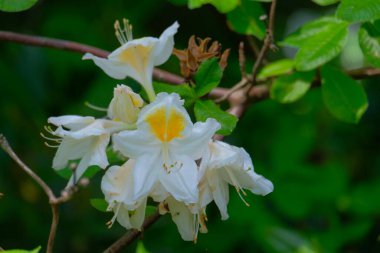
(116, 186)
(165, 147)
(86, 139)
(225, 164)
(125, 105)
(137, 58)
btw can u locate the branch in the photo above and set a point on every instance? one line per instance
(132, 235)
(53, 200)
(79, 48)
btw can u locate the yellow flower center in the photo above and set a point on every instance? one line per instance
(166, 124)
(137, 57)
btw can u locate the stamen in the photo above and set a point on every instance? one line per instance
(119, 33)
(112, 221)
(237, 186)
(196, 228)
(123, 35)
(49, 130)
(128, 29)
(94, 107)
(51, 146)
(59, 140)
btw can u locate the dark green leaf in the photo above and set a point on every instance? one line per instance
(325, 2)
(16, 5)
(222, 6)
(245, 19)
(277, 68)
(321, 45)
(99, 204)
(358, 10)
(207, 77)
(369, 40)
(178, 2)
(150, 210)
(343, 96)
(36, 250)
(287, 89)
(205, 109)
(184, 90)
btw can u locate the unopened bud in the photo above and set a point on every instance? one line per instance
(125, 105)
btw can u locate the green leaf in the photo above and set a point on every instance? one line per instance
(308, 30)
(343, 96)
(207, 77)
(99, 204)
(184, 90)
(287, 89)
(319, 42)
(369, 41)
(277, 68)
(245, 19)
(325, 2)
(36, 250)
(16, 5)
(140, 248)
(358, 10)
(205, 109)
(222, 6)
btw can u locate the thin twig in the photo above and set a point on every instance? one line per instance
(268, 41)
(53, 200)
(132, 235)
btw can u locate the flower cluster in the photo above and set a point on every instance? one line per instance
(168, 158)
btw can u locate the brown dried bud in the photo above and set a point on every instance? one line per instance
(198, 50)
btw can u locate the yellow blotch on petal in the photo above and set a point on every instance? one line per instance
(166, 124)
(136, 56)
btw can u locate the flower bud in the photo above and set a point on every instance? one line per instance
(125, 105)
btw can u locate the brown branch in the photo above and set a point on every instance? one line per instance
(53, 200)
(1, 249)
(79, 48)
(132, 235)
(268, 42)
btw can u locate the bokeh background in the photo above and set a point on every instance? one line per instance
(326, 173)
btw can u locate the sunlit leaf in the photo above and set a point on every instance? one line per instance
(207, 77)
(369, 40)
(359, 10)
(36, 250)
(99, 204)
(287, 89)
(325, 2)
(277, 68)
(140, 248)
(16, 5)
(222, 6)
(343, 96)
(321, 45)
(205, 109)
(245, 19)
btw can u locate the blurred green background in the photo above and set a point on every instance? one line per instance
(326, 173)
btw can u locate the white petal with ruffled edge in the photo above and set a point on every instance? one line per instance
(183, 218)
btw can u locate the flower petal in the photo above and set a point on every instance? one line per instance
(72, 122)
(220, 193)
(164, 47)
(195, 145)
(138, 216)
(114, 69)
(144, 176)
(183, 218)
(182, 182)
(134, 143)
